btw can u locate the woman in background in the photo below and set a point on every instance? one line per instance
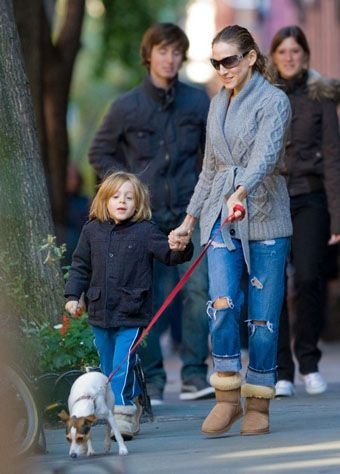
(312, 168)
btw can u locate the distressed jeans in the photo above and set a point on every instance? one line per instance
(265, 298)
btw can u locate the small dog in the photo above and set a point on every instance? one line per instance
(91, 398)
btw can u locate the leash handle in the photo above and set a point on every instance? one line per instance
(179, 285)
(236, 208)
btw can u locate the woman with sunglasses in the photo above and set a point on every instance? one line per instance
(312, 167)
(246, 129)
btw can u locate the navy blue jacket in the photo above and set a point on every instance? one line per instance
(113, 265)
(158, 135)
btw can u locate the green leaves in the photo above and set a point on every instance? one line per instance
(62, 347)
(52, 252)
(124, 24)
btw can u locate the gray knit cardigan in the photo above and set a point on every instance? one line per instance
(244, 146)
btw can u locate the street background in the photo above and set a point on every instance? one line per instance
(304, 438)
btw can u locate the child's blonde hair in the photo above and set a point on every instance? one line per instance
(110, 186)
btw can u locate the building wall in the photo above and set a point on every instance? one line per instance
(321, 24)
(320, 20)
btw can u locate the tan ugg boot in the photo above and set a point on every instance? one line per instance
(256, 418)
(126, 418)
(228, 408)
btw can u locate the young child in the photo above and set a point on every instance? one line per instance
(112, 264)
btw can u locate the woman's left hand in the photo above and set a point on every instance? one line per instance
(335, 239)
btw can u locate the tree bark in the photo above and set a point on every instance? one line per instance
(49, 66)
(35, 289)
(28, 18)
(59, 58)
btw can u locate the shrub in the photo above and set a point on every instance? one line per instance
(59, 348)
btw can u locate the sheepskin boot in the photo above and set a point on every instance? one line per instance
(228, 408)
(128, 420)
(256, 418)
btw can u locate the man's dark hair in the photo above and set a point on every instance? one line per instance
(166, 33)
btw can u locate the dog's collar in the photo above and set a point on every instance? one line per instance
(85, 397)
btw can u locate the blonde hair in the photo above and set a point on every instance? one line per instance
(110, 186)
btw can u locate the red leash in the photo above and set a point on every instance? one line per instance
(178, 287)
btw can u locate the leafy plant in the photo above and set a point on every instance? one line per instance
(123, 26)
(53, 252)
(60, 348)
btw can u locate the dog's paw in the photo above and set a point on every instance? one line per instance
(90, 452)
(123, 451)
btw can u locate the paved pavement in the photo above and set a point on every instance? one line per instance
(304, 438)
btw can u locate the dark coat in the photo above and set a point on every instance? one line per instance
(312, 157)
(113, 264)
(158, 135)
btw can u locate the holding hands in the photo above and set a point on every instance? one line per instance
(180, 237)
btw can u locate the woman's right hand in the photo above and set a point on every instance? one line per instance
(71, 307)
(178, 241)
(180, 237)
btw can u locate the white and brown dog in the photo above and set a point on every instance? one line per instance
(91, 398)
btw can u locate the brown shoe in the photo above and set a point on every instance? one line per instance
(228, 408)
(256, 418)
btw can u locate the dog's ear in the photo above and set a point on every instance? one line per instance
(64, 416)
(90, 419)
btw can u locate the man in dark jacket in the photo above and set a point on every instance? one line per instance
(157, 131)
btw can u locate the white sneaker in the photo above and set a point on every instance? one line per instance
(314, 383)
(284, 388)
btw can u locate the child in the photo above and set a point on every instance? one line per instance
(112, 264)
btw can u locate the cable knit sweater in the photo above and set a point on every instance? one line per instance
(244, 146)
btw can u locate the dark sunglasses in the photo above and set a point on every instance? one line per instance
(229, 61)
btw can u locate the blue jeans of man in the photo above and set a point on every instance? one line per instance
(113, 345)
(195, 330)
(265, 297)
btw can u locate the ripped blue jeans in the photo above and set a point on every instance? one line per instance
(265, 297)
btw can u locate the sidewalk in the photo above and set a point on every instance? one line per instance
(304, 438)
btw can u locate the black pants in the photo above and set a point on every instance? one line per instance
(309, 248)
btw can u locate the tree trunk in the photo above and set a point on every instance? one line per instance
(59, 58)
(35, 289)
(49, 66)
(28, 18)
